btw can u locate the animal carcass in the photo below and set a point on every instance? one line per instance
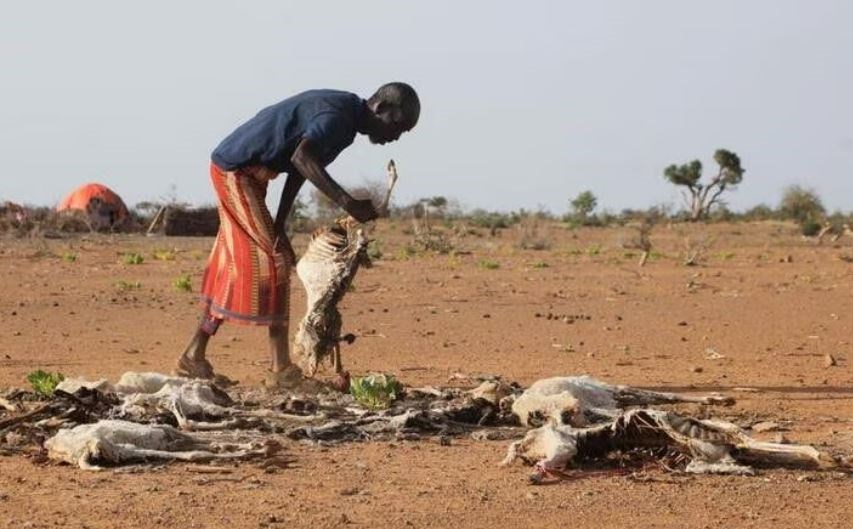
(114, 442)
(710, 446)
(583, 400)
(326, 270)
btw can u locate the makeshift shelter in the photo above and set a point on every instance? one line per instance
(181, 220)
(104, 208)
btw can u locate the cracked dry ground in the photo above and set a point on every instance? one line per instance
(762, 312)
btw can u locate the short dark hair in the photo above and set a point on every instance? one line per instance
(402, 96)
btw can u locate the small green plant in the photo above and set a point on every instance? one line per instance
(183, 283)
(593, 250)
(375, 390)
(133, 258)
(69, 257)
(44, 383)
(406, 252)
(164, 255)
(725, 256)
(124, 286)
(488, 264)
(540, 264)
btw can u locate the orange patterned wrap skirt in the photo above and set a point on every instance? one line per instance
(246, 280)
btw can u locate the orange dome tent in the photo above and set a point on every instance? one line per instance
(104, 207)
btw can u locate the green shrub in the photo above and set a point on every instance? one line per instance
(802, 205)
(810, 228)
(44, 383)
(183, 283)
(133, 258)
(375, 390)
(488, 264)
(69, 257)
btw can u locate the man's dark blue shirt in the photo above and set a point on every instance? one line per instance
(328, 118)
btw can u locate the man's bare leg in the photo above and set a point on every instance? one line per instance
(193, 362)
(283, 372)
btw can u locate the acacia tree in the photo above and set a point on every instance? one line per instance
(583, 205)
(702, 197)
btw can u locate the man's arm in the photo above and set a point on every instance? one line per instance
(306, 163)
(288, 196)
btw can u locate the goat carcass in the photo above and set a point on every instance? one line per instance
(113, 442)
(583, 400)
(711, 446)
(326, 270)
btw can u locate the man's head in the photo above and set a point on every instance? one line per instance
(394, 109)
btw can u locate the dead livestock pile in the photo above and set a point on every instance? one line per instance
(581, 423)
(149, 416)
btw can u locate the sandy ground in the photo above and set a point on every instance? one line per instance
(762, 312)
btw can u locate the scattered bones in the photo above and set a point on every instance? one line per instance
(708, 446)
(91, 428)
(327, 269)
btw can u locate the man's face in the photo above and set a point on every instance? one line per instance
(387, 126)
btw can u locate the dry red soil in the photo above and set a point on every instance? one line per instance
(761, 311)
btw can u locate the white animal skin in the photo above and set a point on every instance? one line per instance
(326, 270)
(111, 442)
(573, 400)
(713, 446)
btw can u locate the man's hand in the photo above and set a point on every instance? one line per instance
(362, 210)
(306, 163)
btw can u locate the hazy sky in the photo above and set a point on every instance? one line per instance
(524, 103)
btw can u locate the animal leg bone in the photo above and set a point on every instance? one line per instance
(391, 168)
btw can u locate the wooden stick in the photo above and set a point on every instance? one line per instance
(156, 220)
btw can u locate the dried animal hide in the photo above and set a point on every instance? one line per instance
(326, 270)
(114, 442)
(710, 446)
(583, 400)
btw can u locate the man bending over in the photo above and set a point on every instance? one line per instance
(247, 278)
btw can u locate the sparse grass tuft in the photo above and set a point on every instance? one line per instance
(593, 250)
(69, 257)
(183, 283)
(539, 264)
(488, 264)
(164, 255)
(124, 286)
(132, 258)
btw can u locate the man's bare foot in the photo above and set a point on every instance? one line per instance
(192, 368)
(289, 378)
